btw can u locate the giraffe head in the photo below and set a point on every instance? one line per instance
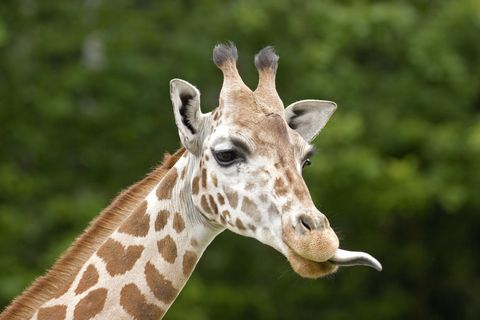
(248, 155)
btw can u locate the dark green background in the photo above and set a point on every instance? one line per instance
(85, 111)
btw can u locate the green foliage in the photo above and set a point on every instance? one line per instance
(84, 112)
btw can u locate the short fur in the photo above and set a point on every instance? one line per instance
(69, 264)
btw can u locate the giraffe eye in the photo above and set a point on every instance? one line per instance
(306, 163)
(227, 157)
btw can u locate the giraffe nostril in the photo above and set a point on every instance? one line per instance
(307, 222)
(312, 223)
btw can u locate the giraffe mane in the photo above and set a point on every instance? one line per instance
(68, 265)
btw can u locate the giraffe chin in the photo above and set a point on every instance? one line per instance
(309, 268)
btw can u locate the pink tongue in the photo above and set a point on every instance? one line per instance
(355, 258)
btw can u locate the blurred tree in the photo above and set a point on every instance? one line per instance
(84, 112)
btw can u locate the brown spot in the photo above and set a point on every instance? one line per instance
(222, 220)
(119, 260)
(252, 227)
(194, 242)
(178, 223)
(134, 303)
(206, 157)
(300, 193)
(184, 171)
(195, 185)
(287, 206)
(250, 208)
(226, 213)
(273, 209)
(289, 176)
(52, 313)
(164, 190)
(88, 280)
(205, 205)
(220, 199)
(138, 222)
(263, 197)
(90, 305)
(189, 260)
(162, 219)
(214, 180)
(213, 204)
(161, 287)
(232, 198)
(239, 224)
(204, 178)
(168, 249)
(280, 187)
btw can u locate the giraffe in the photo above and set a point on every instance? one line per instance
(239, 168)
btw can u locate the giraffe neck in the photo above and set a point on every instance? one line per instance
(140, 269)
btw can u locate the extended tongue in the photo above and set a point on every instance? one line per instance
(355, 258)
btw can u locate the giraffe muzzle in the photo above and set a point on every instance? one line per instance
(310, 236)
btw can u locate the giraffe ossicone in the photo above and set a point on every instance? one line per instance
(240, 169)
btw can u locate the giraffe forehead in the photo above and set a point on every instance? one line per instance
(240, 97)
(257, 127)
(265, 134)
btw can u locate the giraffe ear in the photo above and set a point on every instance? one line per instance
(308, 117)
(188, 116)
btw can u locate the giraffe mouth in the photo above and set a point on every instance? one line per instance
(315, 269)
(311, 269)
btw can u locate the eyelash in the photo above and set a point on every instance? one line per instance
(306, 163)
